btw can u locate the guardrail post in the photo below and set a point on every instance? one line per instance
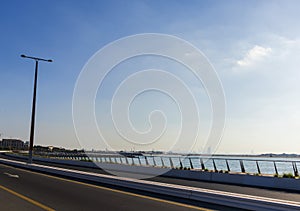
(275, 167)
(202, 164)
(171, 163)
(227, 164)
(295, 169)
(180, 163)
(146, 160)
(127, 162)
(154, 163)
(191, 164)
(258, 169)
(139, 161)
(162, 162)
(215, 167)
(132, 161)
(242, 166)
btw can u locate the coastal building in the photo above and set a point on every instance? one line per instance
(13, 144)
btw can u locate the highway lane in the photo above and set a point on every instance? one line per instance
(24, 190)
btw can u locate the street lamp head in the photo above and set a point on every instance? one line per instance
(36, 58)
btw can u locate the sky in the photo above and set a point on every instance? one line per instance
(253, 45)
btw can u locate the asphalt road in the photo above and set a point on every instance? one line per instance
(25, 190)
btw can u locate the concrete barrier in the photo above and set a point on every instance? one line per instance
(197, 194)
(238, 179)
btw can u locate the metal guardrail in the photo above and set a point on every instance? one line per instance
(238, 165)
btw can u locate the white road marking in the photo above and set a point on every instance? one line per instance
(11, 175)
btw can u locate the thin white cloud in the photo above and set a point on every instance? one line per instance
(254, 55)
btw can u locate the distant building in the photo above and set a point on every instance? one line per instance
(208, 150)
(13, 144)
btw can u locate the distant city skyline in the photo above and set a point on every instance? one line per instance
(253, 46)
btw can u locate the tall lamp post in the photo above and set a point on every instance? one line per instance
(33, 102)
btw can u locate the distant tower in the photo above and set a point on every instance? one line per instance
(209, 150)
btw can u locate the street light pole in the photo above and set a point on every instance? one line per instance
(33, 102)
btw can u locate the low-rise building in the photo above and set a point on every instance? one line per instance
(13, 144)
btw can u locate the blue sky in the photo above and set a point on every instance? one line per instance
(253, 45)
